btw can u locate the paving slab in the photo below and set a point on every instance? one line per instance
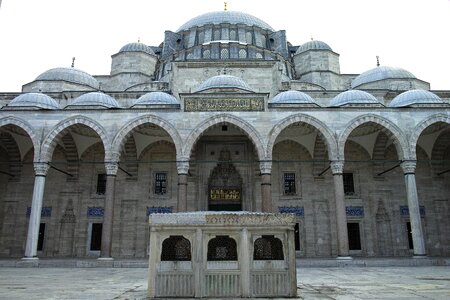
(429, 282)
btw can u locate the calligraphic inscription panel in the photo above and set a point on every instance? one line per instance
(229, 195)
(224, 104)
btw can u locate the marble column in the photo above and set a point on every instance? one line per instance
(40, 171)
(409, 170)
(245, 263)
(183, 170)
(337, 168)
(153, 258)
(266, 186)
(107, 228)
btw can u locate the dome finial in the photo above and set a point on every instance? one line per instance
(378, 61)
(225, 4)
(139, 39)
(73, 62)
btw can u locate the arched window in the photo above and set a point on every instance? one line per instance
(207, 54)
(233, 35)
(216, 35)
(242, 53)
(176, 248)
(224, 54)
(222, 247)
(259, 55)
(248, 36)
(268, 247)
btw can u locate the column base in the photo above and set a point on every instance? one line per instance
(105, 258)
(344, 258)
(419, 256)
(34, 258)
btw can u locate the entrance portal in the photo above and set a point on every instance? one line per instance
(225, 186)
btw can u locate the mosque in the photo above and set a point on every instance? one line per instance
(225, 115)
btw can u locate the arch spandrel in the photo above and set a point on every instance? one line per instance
(418, 130)
(122, 135)
(323, 129)
(50, 140)
(388, 127)
(10, 120)
(249, 130)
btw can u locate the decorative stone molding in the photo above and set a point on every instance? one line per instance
(111, 168)
(409, 166)
(265, 167)
(248, 129)
(337, 167)
(41, 168)
(323, 129)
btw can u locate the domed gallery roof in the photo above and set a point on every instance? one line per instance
(224, 82)
(70, 75)
(95, 99)
(137, 47)
(414, 97)
(354, 97)
(381, 73)
(313, 45)
(292, 97)
(36, 100)
(153, 98)
(228, 17)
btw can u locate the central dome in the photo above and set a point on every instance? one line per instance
(220, 17)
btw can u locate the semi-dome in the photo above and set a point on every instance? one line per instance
(354, 97)
(381, 73)
(224, 82)
(70, 75)
(292, 97)
(137, 47)
(95, 99)
(153, 98)
(229, 17)
(313, 45)
(416, 97)
(34, 100)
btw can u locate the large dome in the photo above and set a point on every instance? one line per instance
(416, 97)
(313, 45)
(137, 47)
(354, 97)
(224, 82)
(36, 100)
(95, 99)
(220, 17)
(381, 73)
(70, 75)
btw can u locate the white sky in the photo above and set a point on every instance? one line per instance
(37, 35)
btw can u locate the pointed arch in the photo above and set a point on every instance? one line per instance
(388, 127)
(48, 146)
(249, 130)
(10, 120)
(324, 131)
(121, 137)
(422, 126)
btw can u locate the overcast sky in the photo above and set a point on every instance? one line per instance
(37, 35)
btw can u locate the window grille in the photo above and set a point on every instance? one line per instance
(216, 35)
(349, 186)
(233, 35)
(242, 53)
(224, 54)
(101, 184)
(259, 55)
(176, 248)
(268, 247)
(160, 183)
(222, 248)
(207, 54)
(289, 184)
(249, 38)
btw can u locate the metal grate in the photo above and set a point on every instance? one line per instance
(268, 247)
(222, 247)
(176, 248)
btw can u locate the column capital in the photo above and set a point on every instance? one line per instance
(265, 167)
(409, 166)
(111, 167)
(41, 168)
(337, 167)
(112, 156)
(183, 167)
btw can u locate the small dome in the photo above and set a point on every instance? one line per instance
(70, 75)
(224, 81)
(227, 17)
(95, 99)
(354, 97)
(37, 100)
(381, 73)
(413, 97)
(137, 47)
(313, 45)
(292, 97)
(156, 98)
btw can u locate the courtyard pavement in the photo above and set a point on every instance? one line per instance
(424, 282)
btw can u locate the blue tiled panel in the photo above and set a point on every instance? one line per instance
(354, 211)
(297, 210)
(95, 212)
(159, 210)
(404, 211)
(46, 212)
